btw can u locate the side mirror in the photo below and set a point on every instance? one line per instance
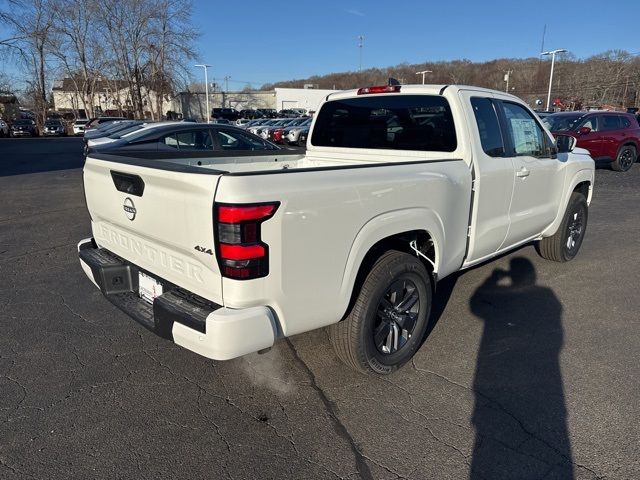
(584, 130)
(565, 143)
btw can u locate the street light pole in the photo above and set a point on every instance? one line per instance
(423, 73)
(553, 61)
(206, 89)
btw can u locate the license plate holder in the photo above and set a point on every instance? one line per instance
(148, 287)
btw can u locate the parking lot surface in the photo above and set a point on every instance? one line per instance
(530, 370)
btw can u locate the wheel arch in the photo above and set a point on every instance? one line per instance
(393, 231)
(582, 182)
(629, 142)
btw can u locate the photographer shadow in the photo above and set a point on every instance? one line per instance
(519, 415)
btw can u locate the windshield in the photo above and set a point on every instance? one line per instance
(23, 122)
(53, 123)
(562, 123)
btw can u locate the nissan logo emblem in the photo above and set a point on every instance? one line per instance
(129, 209)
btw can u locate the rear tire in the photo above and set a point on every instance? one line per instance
(563, 245)
(625, 159)
(389, 318)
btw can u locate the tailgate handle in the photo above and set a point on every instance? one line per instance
(127, 183)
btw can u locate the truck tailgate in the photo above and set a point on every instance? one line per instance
(155, 218)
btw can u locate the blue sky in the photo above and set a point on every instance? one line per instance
(262, 42)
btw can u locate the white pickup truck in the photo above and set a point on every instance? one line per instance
(399, 187)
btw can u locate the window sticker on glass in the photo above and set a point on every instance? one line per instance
(525, 135)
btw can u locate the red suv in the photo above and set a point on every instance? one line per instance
(609, 136)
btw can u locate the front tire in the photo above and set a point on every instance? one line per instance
(389, 318)
(563, 245)
(625, 159)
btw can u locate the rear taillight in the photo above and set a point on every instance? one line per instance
(241, 253)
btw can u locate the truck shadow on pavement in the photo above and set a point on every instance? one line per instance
(520, 417)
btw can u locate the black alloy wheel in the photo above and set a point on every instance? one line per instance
(397, 315)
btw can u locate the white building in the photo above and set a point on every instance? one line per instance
(193, 104)
(307, 98)
(109, 97)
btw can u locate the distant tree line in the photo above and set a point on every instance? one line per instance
(608, 79)
(148, 44)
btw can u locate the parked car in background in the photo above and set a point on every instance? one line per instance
(225, 113)
(4, 128)
(54, 128)
(292, 112)
(265, 130)
(94, 122)
(78, 126)
(276, 134)
(121, 131)
(303, 135)
(291, 134)
(608, 136)
(544, 113)
(268, 112)
(108, 128)
(24, 128)
(175, 137)
(250, 114)
(257, 127)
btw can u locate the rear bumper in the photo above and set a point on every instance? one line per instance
(188, 320)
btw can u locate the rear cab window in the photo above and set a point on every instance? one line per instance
(395, 122)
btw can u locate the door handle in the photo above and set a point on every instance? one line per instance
(523, 172)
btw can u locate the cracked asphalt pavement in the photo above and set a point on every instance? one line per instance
(530, 370)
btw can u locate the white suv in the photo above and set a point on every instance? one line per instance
(78, 126)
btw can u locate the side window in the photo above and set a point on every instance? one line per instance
(624, 122)
(171, 141)
(488, 126)
(609, 122)
(527, 136)
(232, 140)
(590, 123)
(189, 141)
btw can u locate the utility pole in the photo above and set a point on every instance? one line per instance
(226, 90)
(360, 45)
(206, 88)
(423, 72)
(507, 75)
(553, 61)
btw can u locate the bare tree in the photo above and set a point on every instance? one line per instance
(170, 48)
(31, 24)
(82, 58)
